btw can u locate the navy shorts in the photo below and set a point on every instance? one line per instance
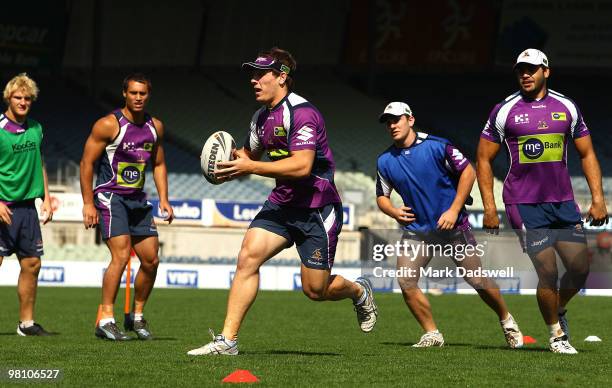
(118, 215)
(541, 225)
(314, 231)
(460, 235)
(23, 236)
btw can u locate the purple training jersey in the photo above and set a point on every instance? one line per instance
(293, 125)
(536, 134)
(122, 166)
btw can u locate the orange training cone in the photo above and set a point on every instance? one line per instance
(240, 376)
(529, 340)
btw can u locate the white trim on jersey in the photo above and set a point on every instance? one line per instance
(295, 99)
(153, 131)
(254, 143)
(110, 153)
(386, 187)
(287, 121)
(569, 104)
(502, 115)
(510, 161)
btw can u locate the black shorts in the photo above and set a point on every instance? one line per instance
(540, 225)
(314, 231)
(118, 215)
(23, 236)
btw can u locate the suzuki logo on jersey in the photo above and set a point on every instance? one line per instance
(181, 278)
(51, 275)
(128, 146)
(305, 133)
(559, 116)
(522, 118)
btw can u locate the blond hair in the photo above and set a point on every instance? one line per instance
(20, 82)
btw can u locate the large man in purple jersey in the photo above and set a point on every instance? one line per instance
(124, 142)
(303, 209)
(536, 125)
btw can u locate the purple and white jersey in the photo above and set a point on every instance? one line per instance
(122, 166)
(536, 133)
(295, 124)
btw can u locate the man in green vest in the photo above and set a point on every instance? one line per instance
(22, 179)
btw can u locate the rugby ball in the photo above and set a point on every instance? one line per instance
(219, 147)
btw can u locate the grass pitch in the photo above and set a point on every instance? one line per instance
(288, 340)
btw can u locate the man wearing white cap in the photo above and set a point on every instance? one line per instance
(536, 123)
(434, 180)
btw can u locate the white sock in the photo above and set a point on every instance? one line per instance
(26, 324)
(138, 316)
(433, 332)
(104, 321)
(363, 296)
(555, 330)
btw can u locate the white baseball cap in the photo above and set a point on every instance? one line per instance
(395, 109)
(532, 56)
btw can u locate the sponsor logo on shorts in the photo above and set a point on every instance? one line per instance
(559, 116)
(182, 278)
(316, 258)
(539, 242)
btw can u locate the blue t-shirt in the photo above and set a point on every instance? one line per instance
(425, 175)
